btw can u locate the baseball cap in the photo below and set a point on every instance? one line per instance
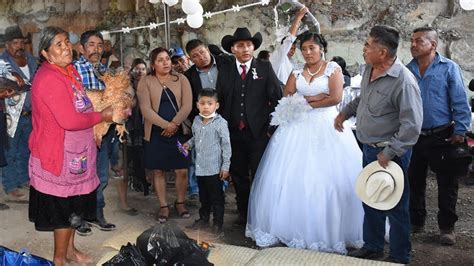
(176, 52)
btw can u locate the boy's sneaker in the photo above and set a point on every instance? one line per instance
(199, 224)
(84, 229)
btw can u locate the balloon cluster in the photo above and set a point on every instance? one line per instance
(193, 10)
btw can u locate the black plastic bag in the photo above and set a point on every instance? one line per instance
(128, 255)
(167, 244)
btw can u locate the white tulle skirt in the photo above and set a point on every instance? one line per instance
(303, 192)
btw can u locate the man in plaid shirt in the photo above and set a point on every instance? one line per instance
(89, 66)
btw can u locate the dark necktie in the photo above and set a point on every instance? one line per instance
(243, 75)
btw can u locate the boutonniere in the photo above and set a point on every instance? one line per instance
(254, 73)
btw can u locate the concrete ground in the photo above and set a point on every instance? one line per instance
(16, 232)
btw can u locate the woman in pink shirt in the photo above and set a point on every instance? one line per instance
(62, 164)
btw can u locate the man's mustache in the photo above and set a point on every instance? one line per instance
(20, 50)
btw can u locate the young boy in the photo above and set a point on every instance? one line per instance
(212, 143)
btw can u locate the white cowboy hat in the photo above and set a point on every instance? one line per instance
(380, 188)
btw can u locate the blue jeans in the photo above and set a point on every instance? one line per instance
(114, 150)
(399, 216)
(103, 168)
(193, 188)
(17, 155)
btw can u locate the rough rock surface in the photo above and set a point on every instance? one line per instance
(345, 23)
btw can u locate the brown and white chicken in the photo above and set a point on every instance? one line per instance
(119, 94)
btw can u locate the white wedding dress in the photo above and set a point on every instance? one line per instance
(303, 193)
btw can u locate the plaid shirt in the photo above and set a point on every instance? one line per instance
(88, 74)
(212, 144)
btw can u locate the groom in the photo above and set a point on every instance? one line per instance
(248, 92)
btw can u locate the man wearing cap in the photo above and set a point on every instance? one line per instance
(18, 113)
(179, 60)
(5, 92)
(248, 90)
(389, 116)
(446, 119)
(89, 66)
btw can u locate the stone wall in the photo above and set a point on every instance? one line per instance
(345, 23)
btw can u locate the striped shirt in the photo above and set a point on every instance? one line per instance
(212, 144)
(90, 79)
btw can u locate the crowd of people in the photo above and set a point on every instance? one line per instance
(270, 125)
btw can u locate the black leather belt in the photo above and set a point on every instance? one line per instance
(434, 130)
(25, 113)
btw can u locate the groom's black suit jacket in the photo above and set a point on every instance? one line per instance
(262, 92)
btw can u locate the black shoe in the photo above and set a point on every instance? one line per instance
(416, 229)
(364, 253)
(102, 224)
(84, 229)
(240, 221)
(4, 206)
(199, 224)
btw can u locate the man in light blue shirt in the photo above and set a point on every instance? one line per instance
(441, 146)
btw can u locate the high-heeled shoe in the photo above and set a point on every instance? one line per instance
(163, 218)
(183, 214)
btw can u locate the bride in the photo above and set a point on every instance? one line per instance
(303, 193)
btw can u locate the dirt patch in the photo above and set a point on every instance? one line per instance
(16, 232)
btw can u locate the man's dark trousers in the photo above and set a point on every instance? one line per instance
(246, 154)
(430, 151)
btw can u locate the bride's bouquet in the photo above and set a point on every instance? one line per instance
(290, 108)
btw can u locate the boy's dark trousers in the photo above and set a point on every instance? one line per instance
(211, 196)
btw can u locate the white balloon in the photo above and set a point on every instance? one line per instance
(467, 4)
(200, 9)
(170, 2)
(194, 21)
(190, 7)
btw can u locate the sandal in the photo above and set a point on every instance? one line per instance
(163, 218)
(183, 214)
